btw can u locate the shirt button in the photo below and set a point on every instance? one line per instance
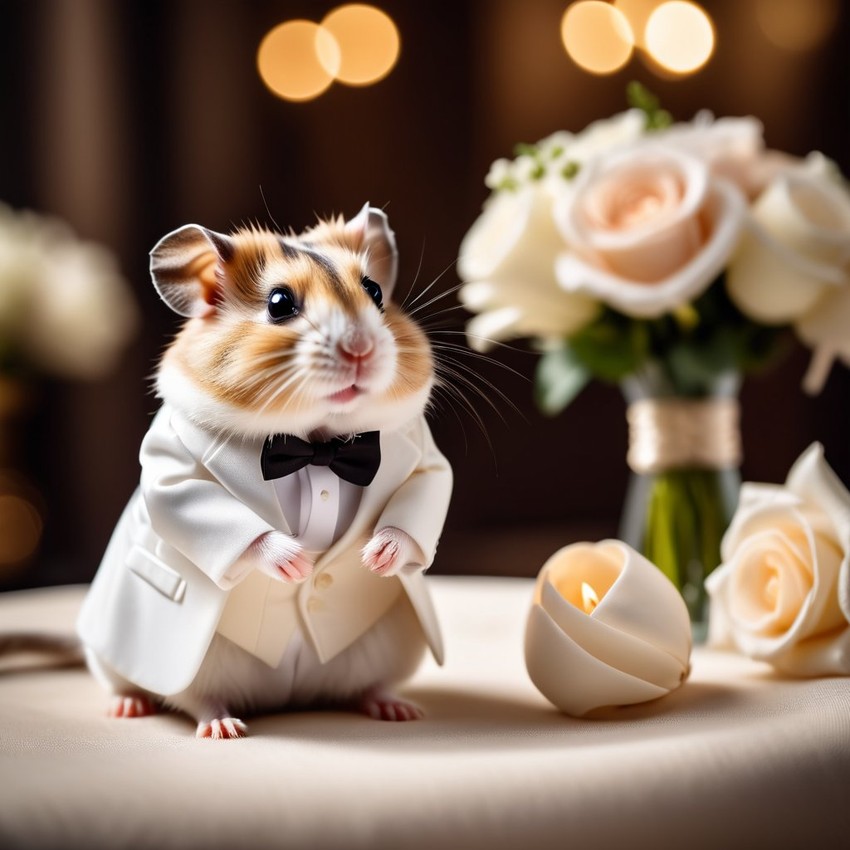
(324, 495)
(324, 581)
(314, 604)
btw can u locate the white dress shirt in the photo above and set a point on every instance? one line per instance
(318, 505)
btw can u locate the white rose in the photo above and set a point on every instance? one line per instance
(508, 262)
(607, 628)
(782, 593)
(796, 249)
(649, 227)
(600, 137)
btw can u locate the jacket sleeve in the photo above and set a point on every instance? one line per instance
(189, 509)
(420, 505)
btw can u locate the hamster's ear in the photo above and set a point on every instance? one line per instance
(184, 269)
(371, 232)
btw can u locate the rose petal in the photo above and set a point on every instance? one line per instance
(824, 329)
(771, 284)
(484, 331)
(823, 656)
(797, 247)
(514, 237)
(769, 585)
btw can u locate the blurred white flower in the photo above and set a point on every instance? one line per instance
(508, 262)
(796, 250)
(65, 308)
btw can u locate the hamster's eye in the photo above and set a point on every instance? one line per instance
(373, 290)
(282, 305)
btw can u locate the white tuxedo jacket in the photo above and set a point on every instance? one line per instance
(161, 589)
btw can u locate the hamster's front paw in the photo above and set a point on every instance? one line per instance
(388, 551)
(280, 556)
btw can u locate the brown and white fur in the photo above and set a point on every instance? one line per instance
(342, 365)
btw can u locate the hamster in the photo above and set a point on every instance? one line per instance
(237, 581)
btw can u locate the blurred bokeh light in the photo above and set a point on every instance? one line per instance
(797, 25)
(679, 37)
(298, 60)
(368, 41)
(637, 13)
(597, 36)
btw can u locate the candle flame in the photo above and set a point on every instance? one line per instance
(589, 599)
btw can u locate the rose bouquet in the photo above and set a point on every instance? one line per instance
(671, 258)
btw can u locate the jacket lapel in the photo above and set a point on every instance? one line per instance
(235, 462)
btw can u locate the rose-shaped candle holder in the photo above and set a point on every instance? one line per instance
(782, 594)
(606, 628)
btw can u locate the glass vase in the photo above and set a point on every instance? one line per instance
(685, 456)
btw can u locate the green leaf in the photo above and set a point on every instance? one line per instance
(525, 149)
(612, 347)
(640, 97)
(559, 378)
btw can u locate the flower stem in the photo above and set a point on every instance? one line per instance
(686, 517)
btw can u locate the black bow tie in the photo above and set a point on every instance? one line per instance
(355, 460)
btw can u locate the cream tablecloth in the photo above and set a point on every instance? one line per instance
(736, 758)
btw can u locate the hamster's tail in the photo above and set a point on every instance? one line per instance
(26, 650)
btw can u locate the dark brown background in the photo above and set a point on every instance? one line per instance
(131, 118)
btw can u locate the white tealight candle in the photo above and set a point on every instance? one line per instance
(606, 628)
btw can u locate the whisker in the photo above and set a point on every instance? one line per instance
(413, 311)
(412, 287)
(455, 348)
(429, 287)
(302, 376)
(266, 205)
(452, 392)
(455, 372)
(436, 402)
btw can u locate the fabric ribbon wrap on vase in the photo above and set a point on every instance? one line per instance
(685, 456)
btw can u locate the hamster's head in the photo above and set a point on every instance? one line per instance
(290, 334)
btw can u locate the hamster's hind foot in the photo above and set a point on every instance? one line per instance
(221, 728)
(131, 705)
(383, 705)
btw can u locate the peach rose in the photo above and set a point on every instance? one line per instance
(782, 593)
(649, 228)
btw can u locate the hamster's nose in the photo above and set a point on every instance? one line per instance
(355, 345)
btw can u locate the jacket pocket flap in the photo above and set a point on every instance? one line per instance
(156, 573)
